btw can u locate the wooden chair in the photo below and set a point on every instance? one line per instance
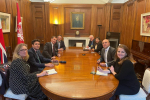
(144, 93)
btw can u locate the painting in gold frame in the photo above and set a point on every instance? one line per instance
(5, 22)
(145, 24)
(77, 20)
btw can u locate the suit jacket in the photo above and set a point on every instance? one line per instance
(110, 56)
(62, 45)
(90, 42)
(34, 62)
(47, 52)
(99, 46)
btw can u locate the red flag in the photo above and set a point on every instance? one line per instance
(19, 27)
(2, 47)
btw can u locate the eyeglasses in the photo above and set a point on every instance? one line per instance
(24, 50)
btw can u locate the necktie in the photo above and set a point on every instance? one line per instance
(53, 50)
(38, 57)
(105, 55)
(92, 44)
(58, 45)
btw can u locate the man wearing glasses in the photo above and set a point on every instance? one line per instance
(36, 60)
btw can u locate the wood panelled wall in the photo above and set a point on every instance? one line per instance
(94, 15)
(9, 6)
(131, 21)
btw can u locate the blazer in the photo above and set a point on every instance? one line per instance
(34, 62)
(62, 44)
(90, 42)
(110, 56)
(99, 46)
(47, 52)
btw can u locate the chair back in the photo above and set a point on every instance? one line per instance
(146, 80)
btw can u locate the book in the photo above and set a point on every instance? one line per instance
(51, 71)
(101, 73)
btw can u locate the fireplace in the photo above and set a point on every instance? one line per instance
(71, 41)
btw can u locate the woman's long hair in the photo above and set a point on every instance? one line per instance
(16, 52)
(127, 57)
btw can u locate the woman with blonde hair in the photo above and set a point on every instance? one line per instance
(123, 70)
(21, 81)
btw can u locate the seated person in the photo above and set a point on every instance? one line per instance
(61, 45)
(123, 70)
(107, 54)
(51, 49)
(36, 59)
(21, 81)
(91, 42)
(98, 45)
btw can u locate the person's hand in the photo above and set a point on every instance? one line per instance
(53, 57)
(98, 61)
(93, 49)
(99, 69)
(49, 65)
(58, 55)
(103, 64)
(87, 46)
(42, 74)
(60, 49)
(112, 69)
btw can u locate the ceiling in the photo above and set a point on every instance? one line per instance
(83, 1)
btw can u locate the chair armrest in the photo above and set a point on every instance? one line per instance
(148, 97)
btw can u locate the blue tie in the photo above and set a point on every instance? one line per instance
(38, 57)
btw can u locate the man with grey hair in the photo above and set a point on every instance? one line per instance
(61, 45)
(91, 42)
(107, 54)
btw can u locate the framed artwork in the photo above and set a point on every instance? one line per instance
(5, 22)
(145, 24)
(77, 20)
(16, 23)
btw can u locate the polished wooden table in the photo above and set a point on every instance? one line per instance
(74, 81)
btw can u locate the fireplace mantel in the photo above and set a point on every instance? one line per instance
(66, 40)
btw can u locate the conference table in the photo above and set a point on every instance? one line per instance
(73, 79)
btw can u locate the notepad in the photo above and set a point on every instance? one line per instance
(51, 71)
(101, 73)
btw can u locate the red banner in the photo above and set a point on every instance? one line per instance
(20, 37)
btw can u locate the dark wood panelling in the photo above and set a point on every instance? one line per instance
(9, 6)
(115, 18)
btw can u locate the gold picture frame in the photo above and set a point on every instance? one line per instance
(77, 20)
(145, 24)
(5, 22)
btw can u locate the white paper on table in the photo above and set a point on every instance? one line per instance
(101, 73)
(51, 71)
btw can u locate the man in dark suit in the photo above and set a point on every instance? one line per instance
(51, 49)
(107, 54)
(91, 42)
(36, 60)
(60, 43)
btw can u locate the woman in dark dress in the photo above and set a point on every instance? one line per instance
(21, 81)
(98, 45)
(123, 70)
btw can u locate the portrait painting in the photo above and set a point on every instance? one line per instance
(77, 20)
(145, 24)
(5, 22)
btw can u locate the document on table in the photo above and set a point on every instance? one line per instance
(101, 73)
(51, 71)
